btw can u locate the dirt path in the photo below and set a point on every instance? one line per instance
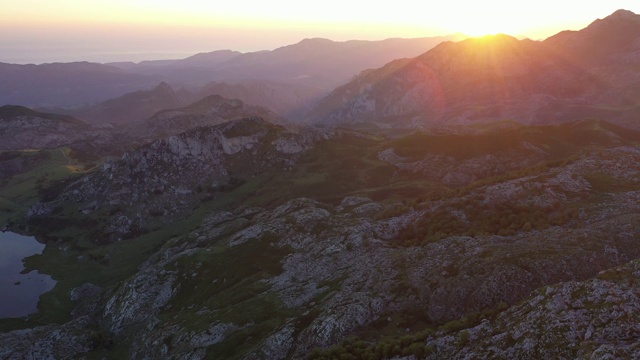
(66, 157)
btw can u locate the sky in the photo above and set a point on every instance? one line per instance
(39, 31)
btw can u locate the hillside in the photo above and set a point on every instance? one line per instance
(24, 128)
(274, 240)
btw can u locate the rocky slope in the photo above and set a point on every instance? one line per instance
(461, 159)
(23, 128)
(159, 181)
(308, 274)
(498, 78)
(594, 319)
(278, 281)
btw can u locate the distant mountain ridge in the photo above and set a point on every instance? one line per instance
(210, 110)
(287, 100)
(315, 62)
(500, 78)
(65, 84)
(134, 106)
(312, 63)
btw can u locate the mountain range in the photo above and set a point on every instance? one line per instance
(477, 199)
(591, 72)
(289, 101)
(319, 63)
(312, 63)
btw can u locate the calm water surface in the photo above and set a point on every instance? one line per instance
(19, 293)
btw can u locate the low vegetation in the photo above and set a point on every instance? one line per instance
(473, 218)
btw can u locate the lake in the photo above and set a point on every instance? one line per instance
(19, 293)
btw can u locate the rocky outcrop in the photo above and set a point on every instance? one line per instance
(78, 336)
(160, 180)
(23, 128)
(48, 342)
(306, 274)
(593, 319)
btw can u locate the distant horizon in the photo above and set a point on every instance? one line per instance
(168, 56)
(37, 31)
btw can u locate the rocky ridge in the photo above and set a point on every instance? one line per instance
(162, 179)
(308, 274)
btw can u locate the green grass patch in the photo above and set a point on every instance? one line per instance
(20, 191)
(608, 184)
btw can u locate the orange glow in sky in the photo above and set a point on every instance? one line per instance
(65, 30)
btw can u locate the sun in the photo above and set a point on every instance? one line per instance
(479, 29)
(477, 26)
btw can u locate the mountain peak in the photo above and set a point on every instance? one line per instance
(603, 41)
(623, 14)
(617, 18)
(212, 100)
(164, 87)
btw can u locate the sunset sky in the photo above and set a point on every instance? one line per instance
(37, 31)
